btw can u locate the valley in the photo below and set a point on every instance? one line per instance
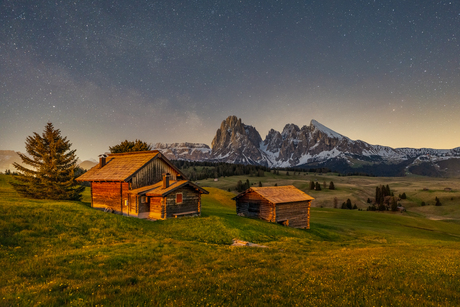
(57, 253)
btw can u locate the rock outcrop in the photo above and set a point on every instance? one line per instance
(236, 142)
(184, 151)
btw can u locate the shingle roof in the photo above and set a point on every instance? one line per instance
(278, 195)
(120, 167)
(157, 188)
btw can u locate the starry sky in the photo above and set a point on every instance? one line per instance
(385, 72)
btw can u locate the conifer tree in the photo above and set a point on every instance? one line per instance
(318, 186)
(239, 186)
(52, 167)
(394, 205)
(129, 146)
(260, 184)
(312, 185)
(349, 205)
(331, 186)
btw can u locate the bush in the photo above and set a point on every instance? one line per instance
(438, 203)
(422, 204)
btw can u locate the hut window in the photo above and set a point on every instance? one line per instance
(143, 199)
(179, 198)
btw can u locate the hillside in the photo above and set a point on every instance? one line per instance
(65, 253)
(7, 158)
(359, 188)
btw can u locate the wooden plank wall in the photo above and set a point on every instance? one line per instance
(152, 173)
(297, 213)
(109, 195)
(191, 201)
(157, 209)
(253, 205)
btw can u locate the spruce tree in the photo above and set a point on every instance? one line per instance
(349, 205)
(331, 186)
(52, 167)
(318, 186)
(394, 205)
(239, 186)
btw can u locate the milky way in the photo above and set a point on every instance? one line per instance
(386, 72)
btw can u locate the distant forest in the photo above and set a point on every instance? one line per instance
(204, 170)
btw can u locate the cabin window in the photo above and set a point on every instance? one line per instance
(179, 198)
(143, 199)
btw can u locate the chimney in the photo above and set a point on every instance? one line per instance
(102, 160)
(166, 181)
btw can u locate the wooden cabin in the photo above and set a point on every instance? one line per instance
(142, 184)
(285, 205)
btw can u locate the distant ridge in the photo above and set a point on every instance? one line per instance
(311, 146)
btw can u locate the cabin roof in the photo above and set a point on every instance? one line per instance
(279, 195)
(157, 188)
(122, 166)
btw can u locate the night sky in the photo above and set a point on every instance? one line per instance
(386, 72)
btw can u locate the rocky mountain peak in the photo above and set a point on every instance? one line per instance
(317, 127)
(273, 141)
(236, 142)
(290, 131)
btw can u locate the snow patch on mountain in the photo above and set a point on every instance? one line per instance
(329, 132)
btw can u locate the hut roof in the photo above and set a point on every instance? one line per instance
(122, 166)
(157, 188)
(279, 195)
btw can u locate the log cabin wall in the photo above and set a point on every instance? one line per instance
(152, 173)
(133, 203)
(143, 208)
(191, 202)
(253, 205)
(125, 197)
(110, 195)
(156, 208)
(297, 213)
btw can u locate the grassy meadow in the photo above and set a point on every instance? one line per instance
(62, 253)
(359, 188)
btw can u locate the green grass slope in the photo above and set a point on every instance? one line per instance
(359, 188)
(57, 253)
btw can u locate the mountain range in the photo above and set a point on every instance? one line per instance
(313, 146)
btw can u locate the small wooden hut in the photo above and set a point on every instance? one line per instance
(122, 183)
(168, 199)
(285, 205)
